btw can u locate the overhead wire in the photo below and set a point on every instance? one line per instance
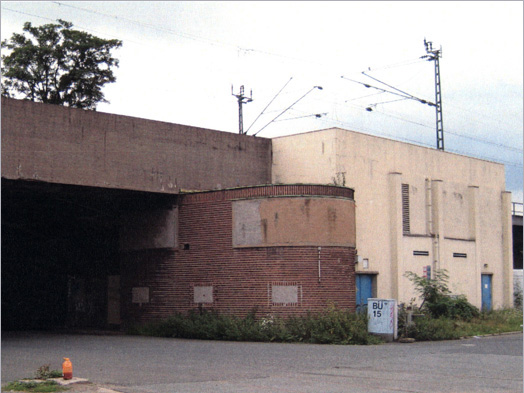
(400, 91)
(192, 36)
(270, 102)
(478, 139)
(399, 64)
(54, 20)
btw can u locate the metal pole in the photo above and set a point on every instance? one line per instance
(434, 55)
(438, 101)
(241, 100)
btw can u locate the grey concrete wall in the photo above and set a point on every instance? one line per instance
(72, 146)
(150, 229)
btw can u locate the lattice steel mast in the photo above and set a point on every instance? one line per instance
(241, 100)
(435, 55)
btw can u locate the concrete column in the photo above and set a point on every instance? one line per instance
(395, 225)
(438, 222)
(507, 251)
(474, 233)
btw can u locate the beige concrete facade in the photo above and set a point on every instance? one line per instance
(415, 207)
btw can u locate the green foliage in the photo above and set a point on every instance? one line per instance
(42, 387)
(43, 372)
(430, 329)
(56, 64)
(517, 298)
(437, 301)
(449, 317)
(430, 289)
(493, 322)
(330, 327)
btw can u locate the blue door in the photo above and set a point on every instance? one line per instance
(486, 292)
(364, 291)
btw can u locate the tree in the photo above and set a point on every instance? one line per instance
(58, 65)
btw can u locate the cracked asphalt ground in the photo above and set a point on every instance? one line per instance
(133, 364)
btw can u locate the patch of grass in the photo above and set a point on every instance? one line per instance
(333, 326)
(47, 386)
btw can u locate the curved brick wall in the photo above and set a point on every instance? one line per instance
(207, 271)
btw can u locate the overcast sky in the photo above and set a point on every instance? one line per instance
(179, 61)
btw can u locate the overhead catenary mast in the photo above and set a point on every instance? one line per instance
(241, 100)
(435, 55)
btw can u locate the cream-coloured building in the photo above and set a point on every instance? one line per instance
(416, 207)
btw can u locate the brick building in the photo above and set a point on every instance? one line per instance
(280, 250)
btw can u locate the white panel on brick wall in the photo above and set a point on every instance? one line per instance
(285, 294)
(203, 294)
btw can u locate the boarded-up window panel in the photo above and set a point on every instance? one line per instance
(286, 294)
(405, 209)
(203, 294)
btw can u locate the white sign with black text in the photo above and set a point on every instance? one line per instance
(382, 317)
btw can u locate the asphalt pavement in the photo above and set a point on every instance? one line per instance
(132, 364)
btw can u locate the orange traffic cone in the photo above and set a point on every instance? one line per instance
(67, 369)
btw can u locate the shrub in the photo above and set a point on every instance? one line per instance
(43, 372)
(437, 299)
(333, 326)
(453, 307)
(429, 329)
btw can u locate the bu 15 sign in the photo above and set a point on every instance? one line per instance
(382, 317)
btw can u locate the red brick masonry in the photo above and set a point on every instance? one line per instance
(206, 271)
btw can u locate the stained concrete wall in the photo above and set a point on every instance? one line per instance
(269, 222)
(72, 146)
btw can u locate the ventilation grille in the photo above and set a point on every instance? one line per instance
(405, 209)
(459, 255)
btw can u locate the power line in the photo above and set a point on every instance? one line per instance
(268, 104)
(316, 115)
(192, 37)
(78, 26)
(153, 27)
(406, 95)
(478, 139)
(396, 65)
(401, 94)
(289, 107)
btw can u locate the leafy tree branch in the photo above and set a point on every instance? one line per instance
(56, 64)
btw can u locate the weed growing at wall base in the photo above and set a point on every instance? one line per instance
(446, 317)
(494, 322)
(333, 326)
